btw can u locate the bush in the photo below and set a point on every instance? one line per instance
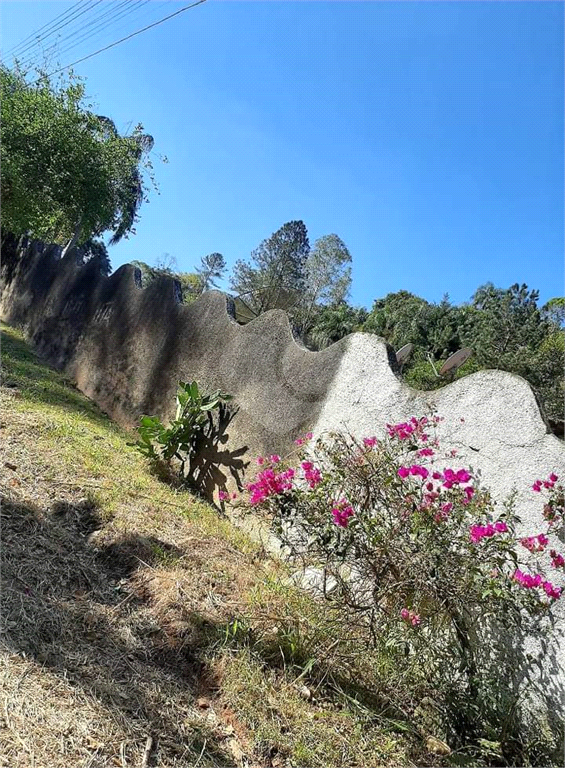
(181, 438)
(421, 550)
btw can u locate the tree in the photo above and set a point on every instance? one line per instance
(274, 277)
(554, 312)
(327, 279)
(166, 266)
(503, 326)
(67, 174)
(334, 322)
(212, 268)
(396, 318)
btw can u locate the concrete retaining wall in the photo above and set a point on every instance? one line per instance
(127, 347)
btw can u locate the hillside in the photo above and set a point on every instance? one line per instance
(140, 628)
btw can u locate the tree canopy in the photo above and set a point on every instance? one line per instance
(67, 174)
(274, 276)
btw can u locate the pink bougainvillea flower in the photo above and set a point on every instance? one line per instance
(425, 452)
(537, 486)
(341, 513)
(553, 477)
(260, 460)
(478, 532)
(274, 458)
(557, 559)
(535, 543)
(408, 429)
(312, 475)
(370, 442)
(418, 471)
(410, 617)
(223, 495)
(551, 590)
(530, 582)
(403, 472)
(269, 483)
(447, 507)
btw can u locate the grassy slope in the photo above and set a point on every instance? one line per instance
(134, 610)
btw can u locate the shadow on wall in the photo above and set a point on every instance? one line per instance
(205, 470)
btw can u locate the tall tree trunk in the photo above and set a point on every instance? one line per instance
(74, 239)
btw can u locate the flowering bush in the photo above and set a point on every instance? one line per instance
(413, 541)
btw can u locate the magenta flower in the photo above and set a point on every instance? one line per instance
(370, 442)
(274, 458)
(269, 483)
(223, 495)
(535, 543)
(557, 560)
(410, 617)
(403, 472)
(425, 452)
(478, 532)
(312, 475)
(341, 513)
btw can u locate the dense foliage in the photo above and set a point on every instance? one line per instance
(505, 328)
(407, 537)
(67, 174)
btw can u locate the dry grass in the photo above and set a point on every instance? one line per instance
(131, 610)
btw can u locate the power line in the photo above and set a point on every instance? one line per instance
(49, 23)
(123, 39)
(74, 29)
(101, 22)
(142, 14)
(52, 32)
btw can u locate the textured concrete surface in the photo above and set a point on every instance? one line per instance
(127, 348)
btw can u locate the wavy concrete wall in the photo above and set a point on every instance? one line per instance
(127, 347)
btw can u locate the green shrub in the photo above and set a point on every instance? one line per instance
(181, 438)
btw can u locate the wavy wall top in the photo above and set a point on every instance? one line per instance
(127, 348)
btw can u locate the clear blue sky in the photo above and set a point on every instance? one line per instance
(427, 135)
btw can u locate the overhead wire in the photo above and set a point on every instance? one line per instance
(48, 34)
(48, 24)
(123, 39)
(80, 35)
(143, 13)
